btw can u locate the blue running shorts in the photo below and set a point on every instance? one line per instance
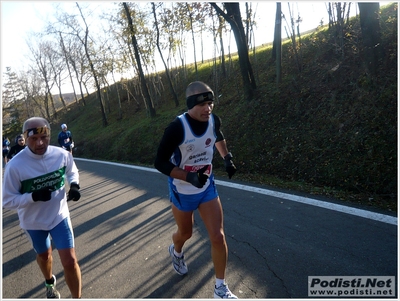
(190, 202)
(62, 236)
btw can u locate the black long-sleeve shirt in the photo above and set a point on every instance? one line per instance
(15, 149)
(173, 137)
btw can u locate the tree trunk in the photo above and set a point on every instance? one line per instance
(221, 42)
(193, 39)
(277, 44)
(233, 17)
(371, 34)
(67, 62)
(142, 78)
(79, 81)
(85, 44)
(171, 86)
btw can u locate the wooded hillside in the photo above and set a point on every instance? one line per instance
(329, 128)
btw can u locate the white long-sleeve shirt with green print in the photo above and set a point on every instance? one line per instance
(28, 172)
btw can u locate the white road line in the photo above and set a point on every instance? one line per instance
(295, 198)
(331, 206)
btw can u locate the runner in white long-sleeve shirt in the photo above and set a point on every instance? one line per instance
(34, 186)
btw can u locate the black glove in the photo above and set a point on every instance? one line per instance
(198, 178)
(229, 166)
(73, 193)
(42, 195)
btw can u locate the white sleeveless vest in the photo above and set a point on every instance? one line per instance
(193, 154)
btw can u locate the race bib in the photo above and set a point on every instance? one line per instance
(195, 168)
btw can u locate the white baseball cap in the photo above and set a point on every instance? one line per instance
(63, 126)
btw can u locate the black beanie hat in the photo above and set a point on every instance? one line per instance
(196, 99)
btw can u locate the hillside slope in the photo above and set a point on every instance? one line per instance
(329, 129)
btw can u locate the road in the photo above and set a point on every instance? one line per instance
(123, 227)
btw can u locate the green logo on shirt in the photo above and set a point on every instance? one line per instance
(53, 180)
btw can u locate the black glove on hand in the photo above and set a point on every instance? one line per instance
(73, 193)
(198, 178)
(229, 166)
(42, 195)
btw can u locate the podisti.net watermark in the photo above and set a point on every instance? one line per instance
(351, 286)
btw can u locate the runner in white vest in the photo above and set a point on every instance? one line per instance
(193, 154)
(185, 155)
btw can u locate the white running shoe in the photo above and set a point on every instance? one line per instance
(223, 292)
(51, 291)
(178, 262)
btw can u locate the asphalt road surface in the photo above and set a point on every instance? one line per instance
(123, 227)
